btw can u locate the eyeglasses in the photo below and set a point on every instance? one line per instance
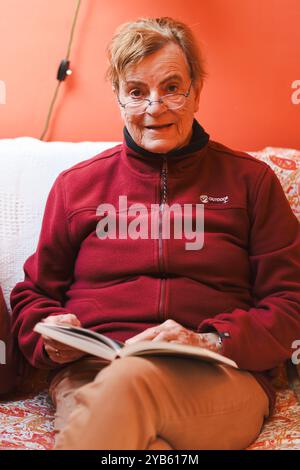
(171, 101)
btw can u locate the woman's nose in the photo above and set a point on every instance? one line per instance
(156, 107)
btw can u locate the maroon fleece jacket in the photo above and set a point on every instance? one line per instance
(8, 358)
(244, 282)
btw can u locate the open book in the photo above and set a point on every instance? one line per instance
(108, 349)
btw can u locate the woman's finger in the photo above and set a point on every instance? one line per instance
(182, 336)
(68, 318)
(62, 356)
(170, 327)
(57, 345)
(148, 334)
(165, 336)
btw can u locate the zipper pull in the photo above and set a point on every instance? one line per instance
(164, 173)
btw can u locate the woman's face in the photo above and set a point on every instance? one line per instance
(160, 129)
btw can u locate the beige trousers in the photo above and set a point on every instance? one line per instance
(137, 403)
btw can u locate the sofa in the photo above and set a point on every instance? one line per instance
(28, 167)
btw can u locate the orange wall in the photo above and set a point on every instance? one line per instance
(252, 49)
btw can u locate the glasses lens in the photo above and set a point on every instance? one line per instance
(137, 106)
(174, 101)
(170, 101)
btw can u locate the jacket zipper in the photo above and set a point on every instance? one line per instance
(163, 200)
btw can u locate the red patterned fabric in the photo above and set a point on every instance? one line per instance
(286, 165)
(8, 372)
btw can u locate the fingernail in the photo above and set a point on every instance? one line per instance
(131, 341)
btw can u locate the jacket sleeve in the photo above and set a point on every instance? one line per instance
(260, 338)
(48, 273)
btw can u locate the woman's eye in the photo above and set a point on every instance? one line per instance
(135, 94)
(172, 88)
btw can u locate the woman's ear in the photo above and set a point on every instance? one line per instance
(115, 87)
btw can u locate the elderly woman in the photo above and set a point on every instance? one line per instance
(238, 292)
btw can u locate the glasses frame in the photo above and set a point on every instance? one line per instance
(161, 100)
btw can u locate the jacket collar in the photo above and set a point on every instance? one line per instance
(183, 159)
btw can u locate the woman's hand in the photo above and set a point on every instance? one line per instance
(173, 332)
(58, 352)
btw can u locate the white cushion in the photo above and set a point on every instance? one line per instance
(28, 168)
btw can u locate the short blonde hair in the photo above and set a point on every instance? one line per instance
(133, 41)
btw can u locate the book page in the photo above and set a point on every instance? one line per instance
(161, 348)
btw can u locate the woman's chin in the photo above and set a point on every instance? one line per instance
(158, 146)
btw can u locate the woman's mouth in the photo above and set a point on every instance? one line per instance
(159, 127)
